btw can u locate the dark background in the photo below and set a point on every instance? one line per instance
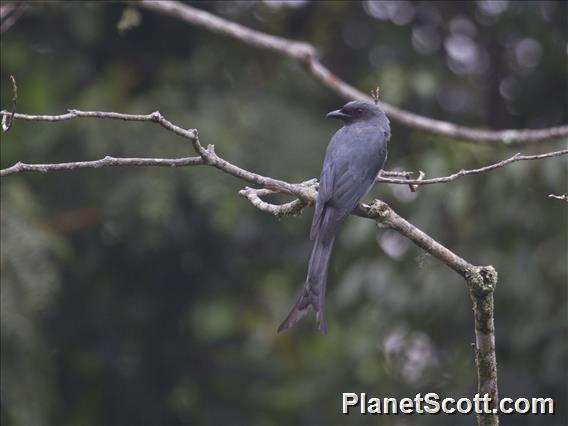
(146, 296)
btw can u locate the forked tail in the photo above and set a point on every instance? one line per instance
(313, 292)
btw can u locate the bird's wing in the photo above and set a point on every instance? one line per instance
(349, 171)
(356, 178)
(350, 187)
(325, 191)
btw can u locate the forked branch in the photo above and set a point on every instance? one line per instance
(480, 280)
(400, 178)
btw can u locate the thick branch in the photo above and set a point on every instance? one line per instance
(481, 281)
(387, 218)
(306, 53)
(200, 18)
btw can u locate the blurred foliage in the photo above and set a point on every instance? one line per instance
(151, 296)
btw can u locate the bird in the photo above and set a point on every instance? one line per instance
(353, 159)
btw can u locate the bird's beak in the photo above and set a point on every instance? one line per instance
(337, 114)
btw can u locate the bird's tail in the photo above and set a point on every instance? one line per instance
(313, 292)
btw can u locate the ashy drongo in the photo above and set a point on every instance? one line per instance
(354, 157)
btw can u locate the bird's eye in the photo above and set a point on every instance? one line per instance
(359, 110)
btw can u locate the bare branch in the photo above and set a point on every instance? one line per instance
(155, 117)
(200, 18)
(387, 218)
(461, 173)
(481, 282)
(206, 156)
(414, 187)
(10, 12)
(103, 162)
(395, 173)
(289, 209)
(8, 120)
(563, 197)
(306, 53)
(476, 277)
(209, 157)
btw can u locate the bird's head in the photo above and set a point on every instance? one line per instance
(358, 111)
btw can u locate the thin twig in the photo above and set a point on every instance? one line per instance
(107, 161)
(8, 119)
(306, 53)
(413, 187)
(395, 173)
(461, 173)
(563, 197)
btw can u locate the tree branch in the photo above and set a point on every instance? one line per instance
(563, 197)
(292, 208)
(480, 280)
(208, 156)
(10, 12)
(107, 161)
(8, 119)
(461, 173)
(306, 53)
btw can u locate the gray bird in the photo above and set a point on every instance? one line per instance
(354, 157)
